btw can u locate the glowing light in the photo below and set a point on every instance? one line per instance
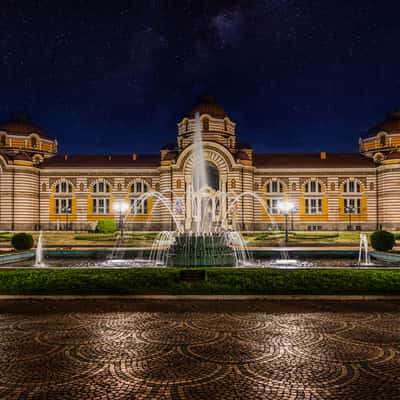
(120, 206)
(286, 206)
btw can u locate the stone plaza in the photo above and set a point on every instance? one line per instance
(124, 349)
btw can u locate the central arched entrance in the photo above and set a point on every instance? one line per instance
(212, 200)
(212, 176)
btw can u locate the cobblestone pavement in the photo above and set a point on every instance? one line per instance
(199, 350)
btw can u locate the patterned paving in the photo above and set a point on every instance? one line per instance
(204, 350)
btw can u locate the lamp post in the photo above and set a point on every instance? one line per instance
(286, 207)
(349, 210)
(121, 207)
(66, 210)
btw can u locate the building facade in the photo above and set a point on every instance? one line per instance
(41, 189)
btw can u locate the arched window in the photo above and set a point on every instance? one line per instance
(212, 175)
(139, 203)
(225, 125)
(206, 124)
(233, 184)
(101, 187)
(101, 198)
(313, 203)
(34, 142)
(186, 126)
(3, 140)
(352, 186)
(64, 187)
(352, 197)
(63, 199)
(382, 140)
(178, 184)
(313, 187)
(139, 187)
(293, 187)
(274, 186)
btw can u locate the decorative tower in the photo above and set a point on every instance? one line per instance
(383, 145)
(23, 147)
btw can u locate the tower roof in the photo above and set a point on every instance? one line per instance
(390, 124)
(207, 105)
(22, 125)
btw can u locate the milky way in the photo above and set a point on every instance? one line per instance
(295, 75)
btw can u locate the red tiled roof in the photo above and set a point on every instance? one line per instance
(102, 161)
(295, 160)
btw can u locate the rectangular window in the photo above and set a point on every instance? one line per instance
(63, 206)
(139, 207)
(272, 206)
(101, 206)
(352, 206)
(313, 206)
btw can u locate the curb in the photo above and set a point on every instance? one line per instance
(207, 297)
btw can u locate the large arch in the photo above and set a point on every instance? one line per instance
(213, 152)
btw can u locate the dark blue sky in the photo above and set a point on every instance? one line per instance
(117, 76)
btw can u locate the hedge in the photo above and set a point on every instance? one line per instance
(63, 281)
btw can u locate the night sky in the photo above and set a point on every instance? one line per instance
(117, 76)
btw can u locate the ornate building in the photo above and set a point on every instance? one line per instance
(41, 189)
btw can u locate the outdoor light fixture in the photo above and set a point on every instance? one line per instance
(349, 210)
(286, 207)
(121, 207)
(66, 210)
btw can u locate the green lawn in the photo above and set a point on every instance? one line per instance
(303, 237)
(137, 239)
(219, 281)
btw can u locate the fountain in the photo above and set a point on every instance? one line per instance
(363, 256)
(206, 242)
(39, 258)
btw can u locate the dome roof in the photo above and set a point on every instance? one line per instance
(21, 125)
(207, 105)
(390, 124)
(242, 155)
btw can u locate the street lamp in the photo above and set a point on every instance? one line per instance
(66, 210)
(349, 210)
(121, 207)
(286, 207)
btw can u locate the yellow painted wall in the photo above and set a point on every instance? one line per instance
(354, 217)
(61, 217)
(317, 217)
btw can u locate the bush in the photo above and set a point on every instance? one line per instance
(22, 241)
(382, 240)
(106, 226)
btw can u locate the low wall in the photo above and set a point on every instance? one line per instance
(15, 257)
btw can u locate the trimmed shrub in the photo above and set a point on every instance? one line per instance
(106, 226)
(382, 240)
(22, 241)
